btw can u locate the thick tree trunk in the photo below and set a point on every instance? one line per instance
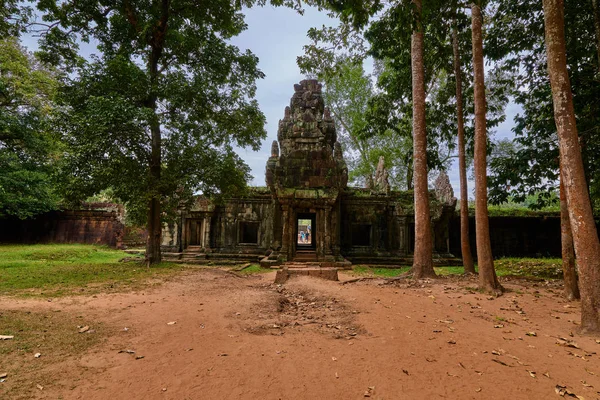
(487, 275)
(585, 236)
(465, 245)
(153, 254)
(156, 43)
(423, 256)
(568, 252)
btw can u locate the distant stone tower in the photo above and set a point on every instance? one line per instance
(307, 143)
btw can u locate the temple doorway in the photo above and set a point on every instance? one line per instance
(305, 231)
(194, 232)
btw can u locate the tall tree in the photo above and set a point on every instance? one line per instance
(487, 274)
(156, 113)
(423, 254)
(585, 235)
(465, 244)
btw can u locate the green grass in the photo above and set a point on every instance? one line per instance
(60, 269)
(254, 269)
(544, 268)
(384, 272)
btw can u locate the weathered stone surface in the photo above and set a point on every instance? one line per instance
(382, 182)
(443, 190)
(284, 274)
(306, 177)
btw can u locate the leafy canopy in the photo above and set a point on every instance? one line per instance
(28, 150)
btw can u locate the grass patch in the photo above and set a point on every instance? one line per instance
(443, 271)
(537, 268)
(254, 269)
(52, 270)
(377, 271)
(544, 268)
(53, 334)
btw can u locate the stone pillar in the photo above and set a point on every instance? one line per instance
(327, 230)
(402, 235)
(206, 233)
(184, 233)
(335, 230)
(285, 239)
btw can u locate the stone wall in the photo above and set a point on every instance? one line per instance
(535, 236)
(69, 226)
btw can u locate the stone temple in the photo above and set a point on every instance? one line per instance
(307, 213)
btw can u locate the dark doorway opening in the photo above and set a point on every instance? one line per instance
(195, 232)
(306, 231)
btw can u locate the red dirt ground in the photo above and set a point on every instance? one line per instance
(246, 338)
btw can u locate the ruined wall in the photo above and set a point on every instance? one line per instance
(370, 226)
(243, 226)
(69, 226)
(535, 236)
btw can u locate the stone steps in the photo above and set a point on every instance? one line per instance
(318, 272)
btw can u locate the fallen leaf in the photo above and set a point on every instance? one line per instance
(405, 371)
(589, 372)
(584, 383)
(567, 343)
(546, 374)
(461, 364)
(501, 362)
(563, 391)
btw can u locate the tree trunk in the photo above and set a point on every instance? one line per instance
(465, 245)
(585, 236)
(487, 275)
(156, 43)
(423, 255)
(153, 254)
(566, 240)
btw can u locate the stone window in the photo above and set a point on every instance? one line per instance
(248, 233)
(361, 235)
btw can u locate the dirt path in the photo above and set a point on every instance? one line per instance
(245, 338)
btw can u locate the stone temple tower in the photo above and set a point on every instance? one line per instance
(306, 173)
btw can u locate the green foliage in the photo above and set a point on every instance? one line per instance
(386, 37)
(168, 73)
(516, 42)
(28, 149)
(55, 270)
(14, 17)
